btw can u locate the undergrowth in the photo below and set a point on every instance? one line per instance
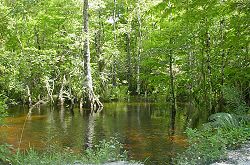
(224, 131)
(105, 151)
(210, 144)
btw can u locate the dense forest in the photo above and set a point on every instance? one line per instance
(83, 53)
(181, 50)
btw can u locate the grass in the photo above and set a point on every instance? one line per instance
(105, 151)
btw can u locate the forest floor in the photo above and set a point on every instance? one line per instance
(239, 156)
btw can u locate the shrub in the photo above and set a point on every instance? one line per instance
(210, 143)
(224, 130)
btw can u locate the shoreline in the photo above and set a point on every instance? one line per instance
(240, 156)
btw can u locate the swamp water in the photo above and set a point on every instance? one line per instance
(143, 128)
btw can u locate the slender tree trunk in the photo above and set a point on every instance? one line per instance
(171, 73)
(92, 101)
(204, 76)
(209, 69)
(29, 96)
(37, 39)
(129, 71)
(139, 50)
(222, 65)
(191, 60)
(191, 65)
(115, 44)
(172, 84)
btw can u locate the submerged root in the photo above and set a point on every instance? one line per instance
(95, 103)
(36, 104)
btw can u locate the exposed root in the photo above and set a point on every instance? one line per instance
(95, 103)
(37, 103)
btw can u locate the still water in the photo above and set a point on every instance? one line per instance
(143, 128)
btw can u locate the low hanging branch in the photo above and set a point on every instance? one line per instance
(36, 104)
(28, 116)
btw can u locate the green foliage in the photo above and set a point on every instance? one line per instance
(5, 153)
(204, 147)
(34, 157)
(105, 151)
(234, 100)
(224, 120)
(208, 40)
(3, 108)
(223, 131)
(118, 93)
(209, 144)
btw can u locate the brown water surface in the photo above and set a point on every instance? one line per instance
(143, 128)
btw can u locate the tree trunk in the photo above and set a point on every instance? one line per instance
(172, 85)
(129, 71)
(223, 64)
(92, 101)
(171, 61)
(139, 51)
(29, 96)
(209, 69)
(115, 44)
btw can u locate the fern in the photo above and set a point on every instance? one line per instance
(224, 120)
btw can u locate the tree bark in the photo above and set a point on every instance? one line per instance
(92, 101)
(29, 96)
(115, 44)
(139, 51)
(171, 73)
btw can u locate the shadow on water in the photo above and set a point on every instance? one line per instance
(149, 131)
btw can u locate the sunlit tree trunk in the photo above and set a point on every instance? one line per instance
(29, 96)
(92, 101)
(139, 50)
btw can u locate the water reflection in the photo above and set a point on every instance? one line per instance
(90, 130)
(147, 130)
